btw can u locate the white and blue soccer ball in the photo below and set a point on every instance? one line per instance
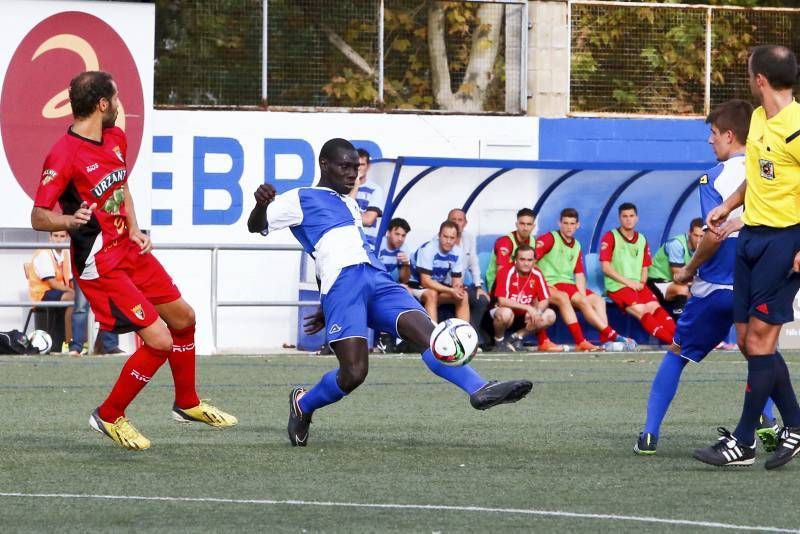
(454, 342)
(41, 341)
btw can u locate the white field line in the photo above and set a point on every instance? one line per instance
(420, 507)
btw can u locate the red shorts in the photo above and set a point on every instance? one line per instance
(570, 289)
(124, 299)
(627, 297)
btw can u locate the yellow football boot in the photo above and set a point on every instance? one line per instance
(204, 413)
(121, 431)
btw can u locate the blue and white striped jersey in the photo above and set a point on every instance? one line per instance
(327, 225)
(715, 186)
(441, 266)
(388, 257)
(371, 195)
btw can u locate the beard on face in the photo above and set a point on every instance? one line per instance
(110, 118)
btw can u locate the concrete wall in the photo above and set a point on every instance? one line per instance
(548, 58)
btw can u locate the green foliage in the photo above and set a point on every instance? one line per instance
(640, 59)
(208, 52)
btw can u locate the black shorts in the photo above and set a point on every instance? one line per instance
(764, 285)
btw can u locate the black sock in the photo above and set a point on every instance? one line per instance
(783, 393)
(760, 383)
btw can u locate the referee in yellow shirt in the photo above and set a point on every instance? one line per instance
(767, 276)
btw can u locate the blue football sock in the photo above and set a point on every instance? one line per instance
(326, 392)
(760, 384)
(665, 385)
(769, 408)
(464, 376)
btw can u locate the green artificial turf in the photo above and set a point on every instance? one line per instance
(403, 438)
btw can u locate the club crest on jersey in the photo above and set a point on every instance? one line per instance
(118, 152)
(48, 175)
(767, 169)
(106, 183)
(138, 312)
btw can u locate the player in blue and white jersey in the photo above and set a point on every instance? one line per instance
(708, 315)
(437, 273)
(370, 197)
(356, 292)
(393, 252)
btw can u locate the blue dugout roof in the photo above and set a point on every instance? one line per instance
(664, 192)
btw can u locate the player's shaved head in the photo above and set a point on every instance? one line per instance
(331, 147)
(87, 89)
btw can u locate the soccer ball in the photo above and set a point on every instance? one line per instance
(41, 341)
(454, 342)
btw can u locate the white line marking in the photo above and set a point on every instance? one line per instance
(436, 507)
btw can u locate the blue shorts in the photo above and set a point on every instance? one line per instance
(705, 322)
(364, 297)
(52, 295)
(764, 285)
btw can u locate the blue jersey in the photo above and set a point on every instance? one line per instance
(441, 266)
(327, 225)
(715, 186)
(370, 195)
(388, 257)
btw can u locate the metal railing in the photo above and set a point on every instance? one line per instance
(641, 58)
(215, 301)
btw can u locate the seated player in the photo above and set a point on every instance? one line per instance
(393, 253)
(560, 259)
(50, 280)
(357, 293)
(394, 256)
(502, 256)
(479, 299)
(436, 274)
(625, 257)
(522, 302)
(671, 257)
(370, 198)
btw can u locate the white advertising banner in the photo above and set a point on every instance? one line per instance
(206, 164)
(43, 45)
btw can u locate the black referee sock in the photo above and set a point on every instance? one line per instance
(760, 383)
(783, 393)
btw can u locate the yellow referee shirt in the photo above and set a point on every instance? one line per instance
(772, 161)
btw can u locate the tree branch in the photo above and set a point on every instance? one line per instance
(437, 51)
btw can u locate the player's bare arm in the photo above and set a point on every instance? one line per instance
(719, 215)
(314, 322)
(580, 283)
(705, 250)
(46, 220)
(612, 273)
(369, 217)
(264, 195)
(135, 233)
(405, 267)
(427, 282)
